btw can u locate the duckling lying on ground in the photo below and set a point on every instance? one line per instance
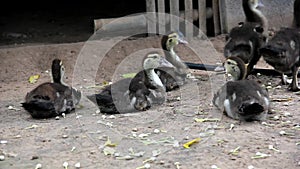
(241, 99)
(139, 93)
(282, 52)
(244, 42)
(172, 78)
(52, 99)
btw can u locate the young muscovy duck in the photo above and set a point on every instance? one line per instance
(241, 99)
(51, 99)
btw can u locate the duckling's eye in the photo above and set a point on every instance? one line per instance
(170, 40)
(62, 68)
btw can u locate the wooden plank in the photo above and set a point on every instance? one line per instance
(216, 15)
(202, 15)
(174, 18)
(151, 16)
(223, 16)
(188, 7)
(161, 17)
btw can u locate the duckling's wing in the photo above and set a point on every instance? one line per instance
(113, 98)
(40, 108)
(170, 78)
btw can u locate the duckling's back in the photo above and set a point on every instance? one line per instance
(243, 100)
(50, 100)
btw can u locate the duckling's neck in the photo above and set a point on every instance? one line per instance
(59, 79)
(254, 15)
(175, 60)
(153, 78)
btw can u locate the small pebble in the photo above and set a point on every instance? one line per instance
(2, 158)
(3, 142)
(282, 132)
(250, 167)
(65, 136)
(276, 117)
(38, 166)
(147, 165)
(63, 115)
(156, 131)
(57, 118)
(135, 129)
(77, 165)
(286, 114)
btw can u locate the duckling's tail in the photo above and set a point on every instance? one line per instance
(251, 111)
(40, 109)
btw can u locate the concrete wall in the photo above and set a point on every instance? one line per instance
(278, 12)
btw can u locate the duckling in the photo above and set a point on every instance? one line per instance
(138, 93)
(282, 52)
(51, 99)
(244, 42)
(174, 77)
(241, 99)
(147, 83)
(254, 15)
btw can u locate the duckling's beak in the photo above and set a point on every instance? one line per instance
(164, 63)
(182, 41)
(260, 5)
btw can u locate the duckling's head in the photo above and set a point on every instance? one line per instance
(154, 60)
(58, 71)
(235, 67)
(255, 4)
(171, 40)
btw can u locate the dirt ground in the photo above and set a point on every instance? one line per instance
(154, 137)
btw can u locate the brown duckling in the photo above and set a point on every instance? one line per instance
(51, 99)
(136, 94)
(241, 99)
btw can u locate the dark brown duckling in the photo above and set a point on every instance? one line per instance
(51, 99)
(282, 52)
(241, 99)
(244, 42)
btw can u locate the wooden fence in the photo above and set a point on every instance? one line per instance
(157, 23)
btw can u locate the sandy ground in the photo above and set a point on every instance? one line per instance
(154, 137)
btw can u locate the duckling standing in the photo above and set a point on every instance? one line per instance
(283, 53)
(174, 77)
(241, 99)
(245, 40)
(51, 99)
(138, 93)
